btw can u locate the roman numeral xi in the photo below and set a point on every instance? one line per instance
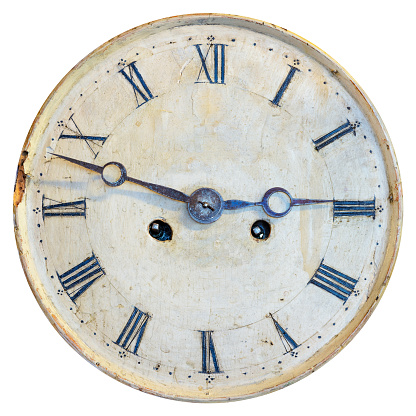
(135, 79)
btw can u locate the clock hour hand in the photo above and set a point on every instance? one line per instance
(232, 204)
(159, 189)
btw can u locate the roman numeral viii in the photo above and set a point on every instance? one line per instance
(288, 343)
(214, 68)
(77, 280)
(132, 333)
(334, 282)
(63, 209)
(355, 208)
(134, 78)
(209, 356)
(285, 84)
(335, 134)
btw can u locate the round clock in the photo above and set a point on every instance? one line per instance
(208, 207)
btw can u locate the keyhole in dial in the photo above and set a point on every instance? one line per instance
(160, 230)
(260, 230)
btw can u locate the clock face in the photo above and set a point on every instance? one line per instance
(207, 207)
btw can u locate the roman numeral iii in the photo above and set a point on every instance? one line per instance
(355, 208)
(72, 131)
(288, 343)
(63, 209)
(209, 356)
(334, 282)
(335, 134)
(276, 100)
(77, 280)
(132, 333)
(134, 78)
(214, 68)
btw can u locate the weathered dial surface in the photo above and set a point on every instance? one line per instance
(208, 207)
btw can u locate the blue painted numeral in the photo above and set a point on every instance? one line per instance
(335, 134)
(141, 90)
(334, 282)
(78, 279)
(209, 356)
(217, 52)
(63, 209)
(288, 343)
(355, 208)
(132, 333)
(276, 100)
(72, 131)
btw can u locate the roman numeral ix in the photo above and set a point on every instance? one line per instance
(334, 282)
(63, 209)
(214, 73)
(276, 100)
(72, 131)
(209, 356)
(335, 134)
(132, 333)
(355, 208)
(78, 279)
(288, 343)
(134, 78)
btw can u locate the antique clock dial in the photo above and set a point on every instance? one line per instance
(208, 207)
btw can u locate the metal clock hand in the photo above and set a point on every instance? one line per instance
(162, 190)
(237, 204)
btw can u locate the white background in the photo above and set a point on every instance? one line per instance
(42, 40)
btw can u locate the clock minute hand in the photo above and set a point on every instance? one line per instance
(232, 204)
(159, 189)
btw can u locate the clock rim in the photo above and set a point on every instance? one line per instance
(325, 353)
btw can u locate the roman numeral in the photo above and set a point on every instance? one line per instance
(132, 333)
(334, 282)
(285, 85)
(63, 209)
(335, 134)
(72, 131)
(141, 90)
(209, 356)
(355, 208)
(217, 52)
(78, 279)
(288, 343)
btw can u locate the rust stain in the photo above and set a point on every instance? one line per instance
(20, 184)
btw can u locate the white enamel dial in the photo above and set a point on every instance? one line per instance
(200, 296)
